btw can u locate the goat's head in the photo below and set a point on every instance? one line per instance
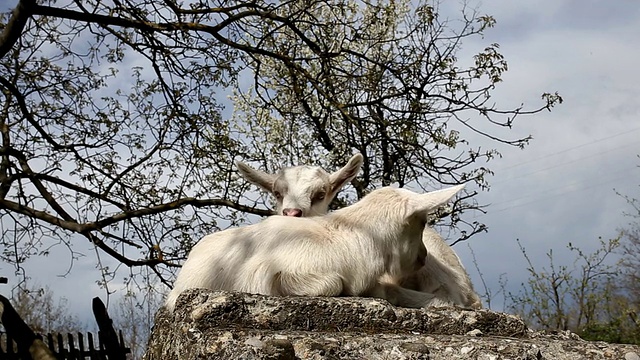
(401, 215)
(302, 190)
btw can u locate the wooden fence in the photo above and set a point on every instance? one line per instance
(80, 347)
(19, 341)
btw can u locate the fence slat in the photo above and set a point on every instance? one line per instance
(108, 336)
(6, 347)
(81, 352)
(72, 348)
(92, 350)
(10, 349)
(50, 342)
(61, 352)
(103, 351)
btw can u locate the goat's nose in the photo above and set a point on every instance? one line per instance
(292, 212)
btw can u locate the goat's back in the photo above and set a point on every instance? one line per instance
(250, 257)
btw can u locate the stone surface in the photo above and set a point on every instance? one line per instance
(222, 325)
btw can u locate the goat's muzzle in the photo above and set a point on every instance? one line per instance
(292, 212)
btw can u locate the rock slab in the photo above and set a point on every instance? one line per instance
(224, 325)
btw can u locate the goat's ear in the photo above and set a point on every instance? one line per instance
(341, 177)
(430, 201)
(256, 177)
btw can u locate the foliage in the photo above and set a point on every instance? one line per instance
(630, 262)
(44, 311)
(391, 86)
(616, 330)
(134, 314)
(585, 298)
(564, 297)
(630, 276)
(114, 128)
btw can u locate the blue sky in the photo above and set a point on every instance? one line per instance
(560, 189)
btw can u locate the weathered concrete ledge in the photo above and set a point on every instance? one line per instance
(222, 325)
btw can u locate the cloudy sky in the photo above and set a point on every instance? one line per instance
(560, 189)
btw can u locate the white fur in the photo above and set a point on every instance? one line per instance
(443, 274)
(302, 190)
(346, 252)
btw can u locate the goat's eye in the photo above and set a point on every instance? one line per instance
(319, 196)
(277, 194)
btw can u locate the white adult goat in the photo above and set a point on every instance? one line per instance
(346, 252)
(302, 190)
(308, 191)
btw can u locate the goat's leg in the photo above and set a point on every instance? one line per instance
(400, 296)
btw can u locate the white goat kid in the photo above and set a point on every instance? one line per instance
(299, 191)
(342, 253)
(302, 190)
